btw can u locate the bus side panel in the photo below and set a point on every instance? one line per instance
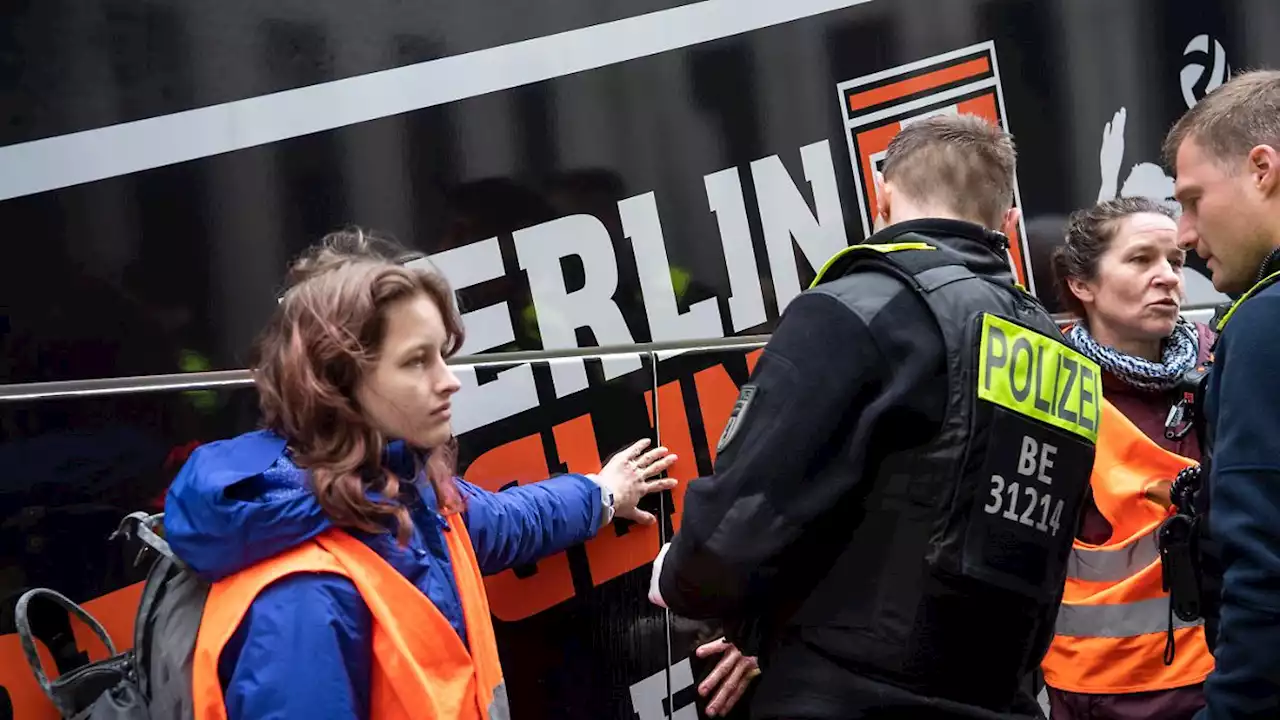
(696, 393)
(575, 631)
(682, 194)
(741, 157)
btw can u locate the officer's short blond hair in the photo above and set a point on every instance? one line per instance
(1232, 120)
(962, 162)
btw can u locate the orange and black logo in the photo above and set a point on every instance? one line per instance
(878, 105)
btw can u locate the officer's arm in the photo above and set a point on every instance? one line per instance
(818, 375)
(1245, 512)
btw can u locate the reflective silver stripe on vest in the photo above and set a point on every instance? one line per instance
(1116, 621)
(1113, 564)
(499, 709)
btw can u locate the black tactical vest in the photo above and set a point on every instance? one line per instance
(950, 582)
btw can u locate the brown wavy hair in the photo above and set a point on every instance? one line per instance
(324, 335)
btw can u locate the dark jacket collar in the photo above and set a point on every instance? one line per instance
(980, 249)
(1270, 266)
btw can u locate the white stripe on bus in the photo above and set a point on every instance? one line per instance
(65, 160)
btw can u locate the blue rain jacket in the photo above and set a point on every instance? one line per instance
(303, 649)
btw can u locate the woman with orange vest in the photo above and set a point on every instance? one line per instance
(346, 560)
(1119, 653)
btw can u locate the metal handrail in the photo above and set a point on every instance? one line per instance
(97, 387)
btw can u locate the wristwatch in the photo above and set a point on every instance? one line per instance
(606, 501)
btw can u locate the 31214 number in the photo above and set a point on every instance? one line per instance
(1048, 518)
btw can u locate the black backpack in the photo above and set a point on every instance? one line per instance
(151, 681)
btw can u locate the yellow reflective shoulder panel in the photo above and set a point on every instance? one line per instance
(884, 248)
(1041, 378)
(1236, 305)
(895, 247)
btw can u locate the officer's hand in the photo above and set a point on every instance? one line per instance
(733, 674)
(628, 475)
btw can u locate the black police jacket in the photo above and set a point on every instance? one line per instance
(1237, 505)
(895, 542)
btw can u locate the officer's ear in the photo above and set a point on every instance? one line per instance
(1010, 225)
(1264, 165)
(883, 201)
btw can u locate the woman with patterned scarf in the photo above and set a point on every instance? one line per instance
(1120, 271)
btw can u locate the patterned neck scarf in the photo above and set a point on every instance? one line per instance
(1180, 352)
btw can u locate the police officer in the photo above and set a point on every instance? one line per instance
(1226, 156)
(897, 488)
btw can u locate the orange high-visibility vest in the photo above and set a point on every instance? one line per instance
(421, 669)
(1114, 622)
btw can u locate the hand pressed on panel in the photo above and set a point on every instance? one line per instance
(628, 474)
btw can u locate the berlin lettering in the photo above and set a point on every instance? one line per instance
(786, 220)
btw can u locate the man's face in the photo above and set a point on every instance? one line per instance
(1225, 209)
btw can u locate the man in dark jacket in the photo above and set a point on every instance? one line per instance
(875, 526)
(1226, 155)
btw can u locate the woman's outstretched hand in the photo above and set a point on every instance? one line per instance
(628, 474)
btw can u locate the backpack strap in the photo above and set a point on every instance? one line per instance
(142, 526)
(25, 636)
(153, 590)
